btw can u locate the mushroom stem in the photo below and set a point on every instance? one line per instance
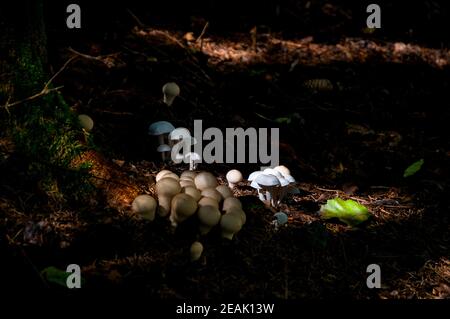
(161, 139)
(231, 185)
(261, 195)
(169, 99)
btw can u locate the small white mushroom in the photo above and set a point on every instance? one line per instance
(196, 250)
(230, 225)
(166, 189)
(194, 159)
(161, 174)
(145, 206)
(269, 183)
(164, 149)
(233, 177)
(170, 90)
(209, 217)
(205, 180)
(283, 170)
(182, 207)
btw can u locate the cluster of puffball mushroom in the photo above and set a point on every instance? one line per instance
(194, 194)
(273, 184)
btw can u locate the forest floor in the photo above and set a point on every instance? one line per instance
(385, 110)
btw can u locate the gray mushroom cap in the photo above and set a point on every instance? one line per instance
(267, 180)
(281, 218)
(160, 127)
(163, 148)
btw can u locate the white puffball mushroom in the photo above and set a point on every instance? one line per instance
(212, 193)
(225, 191)
(196, 250)
(205, 180)
(208, 201)
(170, 90)
(230, 202)
(283, 170)
(238, 212)
(182, 207)
(166, 188)
(209, 217)
(161, 174)
(193, 192)
(230, 225)
(145, 206)
(233, 177)
(189, 174)
(86, 122)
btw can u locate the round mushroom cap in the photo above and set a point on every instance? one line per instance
(238, 212)
(230, 224)
(289, 178)
(230, 202)
(225, 191)
(209, 215)
(234, 176)
(205, 180)
(268, 180)
(187, 183)
(161, 174)
(190, 174)
(160, 127)
(213, 193)
(172, 176)
(171, 88)
(271, 171)
(253, 175)
(167, 187)
(208, 201)
(144, 205)
(86, 122)
(196, 250)
(183, 206)
(163, 148)
(283, 170)
(193, 192)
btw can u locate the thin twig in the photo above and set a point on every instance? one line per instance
(45, 90)
(139, 22)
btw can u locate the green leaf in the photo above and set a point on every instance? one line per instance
(55, 276)
(413, 168)
(347, 211)
(282, 120)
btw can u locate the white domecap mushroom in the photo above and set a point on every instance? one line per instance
(160, 129)
(230, 225)
(196, 250)
(205, 180)
(170, 91)
(166, 189)
(269, 183)
(209, 217)
(253, 175)
(182, 207)
(164, 149)
(233, 177)
(145, 206)
(283, 170)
